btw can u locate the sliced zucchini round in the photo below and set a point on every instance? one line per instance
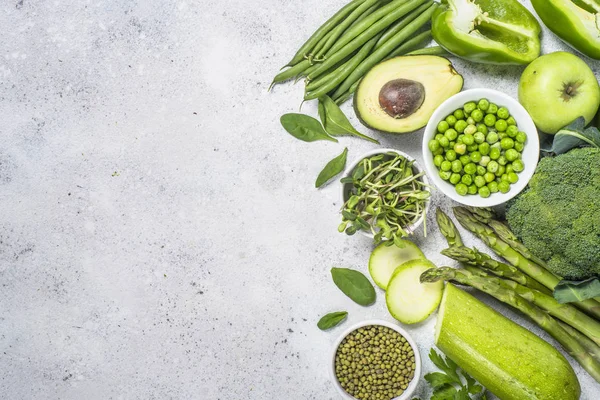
(385, 259)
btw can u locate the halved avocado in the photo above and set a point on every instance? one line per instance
(400, 94)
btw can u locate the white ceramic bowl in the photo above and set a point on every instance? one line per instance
(412, 386)
(530, 154)
(344, 187)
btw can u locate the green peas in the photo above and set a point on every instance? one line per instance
(459, 114)
(451, 120)
(483, 104)
(501, 125)
(470, 169)
(437, 160)
(502, 135)
(484, 148)
(468, 140)
(494, 153)
(502, 160)
(461, 189)
(493, 186)
(513, 178)
(512, 131)
(454, 178)
(479, 137)
(489, 120)
(438, 136)
(467, 179)
(477, 115)
(465, 159)
(450, 155)
(519, 146)
(491, 137)
(470, 121)
(460, 125)
(479, 181)
(507, 143)
(472, 189)
(521, 137)
(485, 160)
(484, 192)
(457, 166)
(504, 186)
(504, 178)
(492, 109)
(451, 145)
(443, 126)
(492, 166)
(482, 128)
(501, 170)
(438, 151)
(472, 147)
(470, 107)
(444, 142)
(503, 113)
(433, 145)
(460, 148)
(518, 166)
(509, 168)
(475, 156)
(480, 170)
(446, 165)
(489, 177)
(470, 129)
(511, 121)
(511, 154)
(445, 175)
(451, 134)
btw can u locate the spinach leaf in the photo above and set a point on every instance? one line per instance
(570, 291)
(571, 136)
(304, 127)
(332, 168)
(335, 122)
(332, 319)
(354, 285)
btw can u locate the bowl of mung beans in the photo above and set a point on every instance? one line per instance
(480, 147)
(375, 359)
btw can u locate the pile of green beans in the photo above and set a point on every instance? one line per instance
(360, 35)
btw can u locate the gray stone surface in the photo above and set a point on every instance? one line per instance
(160, 235)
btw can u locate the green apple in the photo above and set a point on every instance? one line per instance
(558, 88)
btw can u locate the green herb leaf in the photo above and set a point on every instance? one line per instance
(448, 366)
(571, 136)
(332, 168)
(304, 128)
(438, 379)
(462, 394)
(571, 291)
(331, 320)
(472, 386)
(335, 122)
(446, 392)
(354, 284)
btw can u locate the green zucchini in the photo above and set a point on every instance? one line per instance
(510, 361)
(385, 259)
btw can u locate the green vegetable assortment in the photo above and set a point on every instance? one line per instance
(478, 149)
(384, 196)
(374, 362)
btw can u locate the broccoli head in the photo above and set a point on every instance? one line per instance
(558, 215)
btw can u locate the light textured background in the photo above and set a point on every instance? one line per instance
(160, 235)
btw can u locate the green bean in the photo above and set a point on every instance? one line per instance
(411, 44)
(322, 31)
(333, 79)
(310, 56)
(290, 72)
(339, 30)
(374, 18)
(373, 30)
(429, 51)
(329, 70)
(345, 96)
(384, 50)
(400, 24)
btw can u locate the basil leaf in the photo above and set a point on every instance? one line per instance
(335, 122)
(332, 319)
(570, 291)
(354, 285)
(332, 168)
(304, 128)
(571, 136)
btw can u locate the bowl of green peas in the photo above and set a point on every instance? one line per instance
(480, 147)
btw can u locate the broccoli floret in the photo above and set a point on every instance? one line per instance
(558, 215)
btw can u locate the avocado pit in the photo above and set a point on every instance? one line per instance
(400, 98)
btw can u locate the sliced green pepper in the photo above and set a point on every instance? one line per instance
(487, 31)
(577, 22)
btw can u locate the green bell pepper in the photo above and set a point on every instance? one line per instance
(577, 22)
(487, 31)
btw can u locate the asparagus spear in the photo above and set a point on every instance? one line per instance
(505, 295)
(592, 348)
(448, 228)
(470, 222)
(482, 260)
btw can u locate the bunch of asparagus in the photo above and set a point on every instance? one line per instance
(523, 283)
(358, 36)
